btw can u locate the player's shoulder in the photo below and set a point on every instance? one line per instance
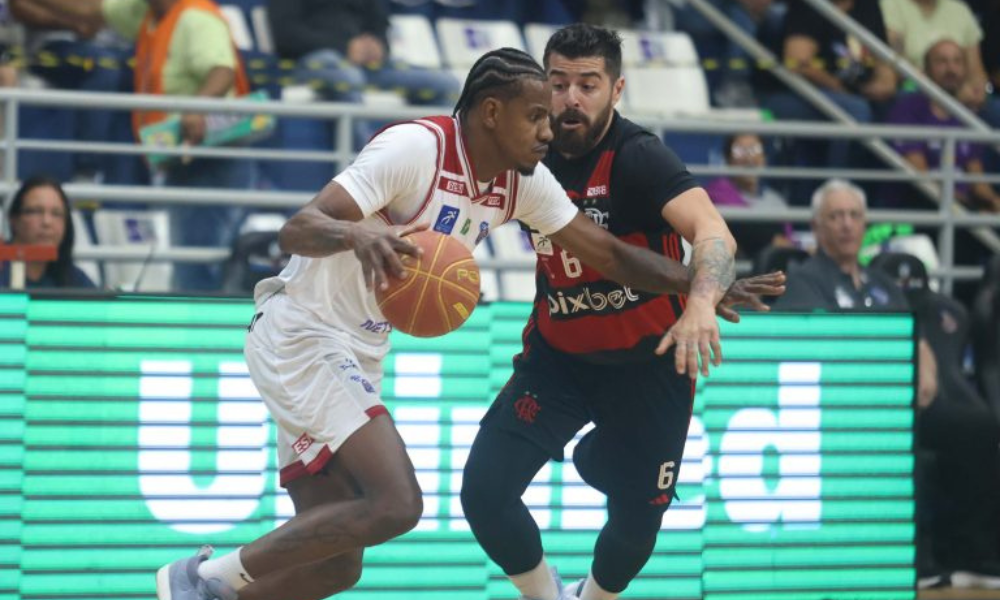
(413, 136)
(633, 137)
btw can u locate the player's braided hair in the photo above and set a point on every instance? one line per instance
(498, 72)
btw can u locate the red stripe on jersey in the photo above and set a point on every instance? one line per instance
(514, 181)
(440, 136)
(599, 183)
(621, 331)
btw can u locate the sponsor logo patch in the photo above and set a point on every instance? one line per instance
(526, 408)
(364, 383)
(484, 230)
(446, 219)
(542, 244)
(452, 186)
(587, 301)
(302, 444)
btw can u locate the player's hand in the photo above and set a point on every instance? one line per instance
(695, 334)
(746, 292)
(380, 251)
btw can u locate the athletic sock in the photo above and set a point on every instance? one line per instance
(593, 591)
(537, 584)
(228, 568)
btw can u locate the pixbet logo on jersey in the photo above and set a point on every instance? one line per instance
(563, 304)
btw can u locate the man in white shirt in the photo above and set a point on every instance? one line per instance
(316, 343)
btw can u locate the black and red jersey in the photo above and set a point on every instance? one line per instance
(622, 184)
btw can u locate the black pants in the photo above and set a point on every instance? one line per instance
(641, 414)
(959, 491)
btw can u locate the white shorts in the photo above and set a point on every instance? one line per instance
(319, 386)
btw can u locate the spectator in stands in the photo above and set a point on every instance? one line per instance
(758, 18)
(69, 54)
(748, 191)
(838, 64)
(10, 37)
(40, 214)
(834, 280)
(958, 471)
(342, 45)
(946, 64)
(914, 25)
(183, 48)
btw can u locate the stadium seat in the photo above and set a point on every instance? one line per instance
(147, 230)
(668, 91)
(943, 322)
(658, 48)
(411, 38)
(537, 36)
(255, 256)
(262, 29)
(464, 41)
(238, 26)
(776, 258)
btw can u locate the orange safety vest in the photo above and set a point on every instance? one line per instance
(152, 48)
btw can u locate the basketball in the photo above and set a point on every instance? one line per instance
(440, 291)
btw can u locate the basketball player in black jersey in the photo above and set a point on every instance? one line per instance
(594, 350)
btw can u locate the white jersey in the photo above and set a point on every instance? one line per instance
(415, 172)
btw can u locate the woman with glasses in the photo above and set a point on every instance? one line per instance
(40, 214)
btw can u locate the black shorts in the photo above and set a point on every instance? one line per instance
(641, 413)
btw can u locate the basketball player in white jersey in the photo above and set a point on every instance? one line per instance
(316, 343)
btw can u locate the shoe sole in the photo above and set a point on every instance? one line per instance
(965, 580)
(163, 583)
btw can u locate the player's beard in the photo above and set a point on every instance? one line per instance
(580, 141)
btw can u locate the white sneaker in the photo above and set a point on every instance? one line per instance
(564, 593)
(573, 590)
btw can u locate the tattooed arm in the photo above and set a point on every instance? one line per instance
(696, 333)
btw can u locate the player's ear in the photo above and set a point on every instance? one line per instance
(616, 90)
(490, 109)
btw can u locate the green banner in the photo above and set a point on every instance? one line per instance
(130, 434)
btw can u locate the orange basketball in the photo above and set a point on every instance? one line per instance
(440, 291)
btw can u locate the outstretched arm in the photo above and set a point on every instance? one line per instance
(713, 271)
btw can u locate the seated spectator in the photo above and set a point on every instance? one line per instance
(834, 280)
(189, 52)
(343, 46)
(68, 54)
(838, 64)
(748, 191)
(946, 65)
(914, 25)
(40, 214)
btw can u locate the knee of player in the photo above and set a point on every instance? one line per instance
(341, 574)
(637, 519)
(399, 514)
(349, 570)
(477, 499)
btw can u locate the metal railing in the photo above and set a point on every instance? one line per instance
(949, 216)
